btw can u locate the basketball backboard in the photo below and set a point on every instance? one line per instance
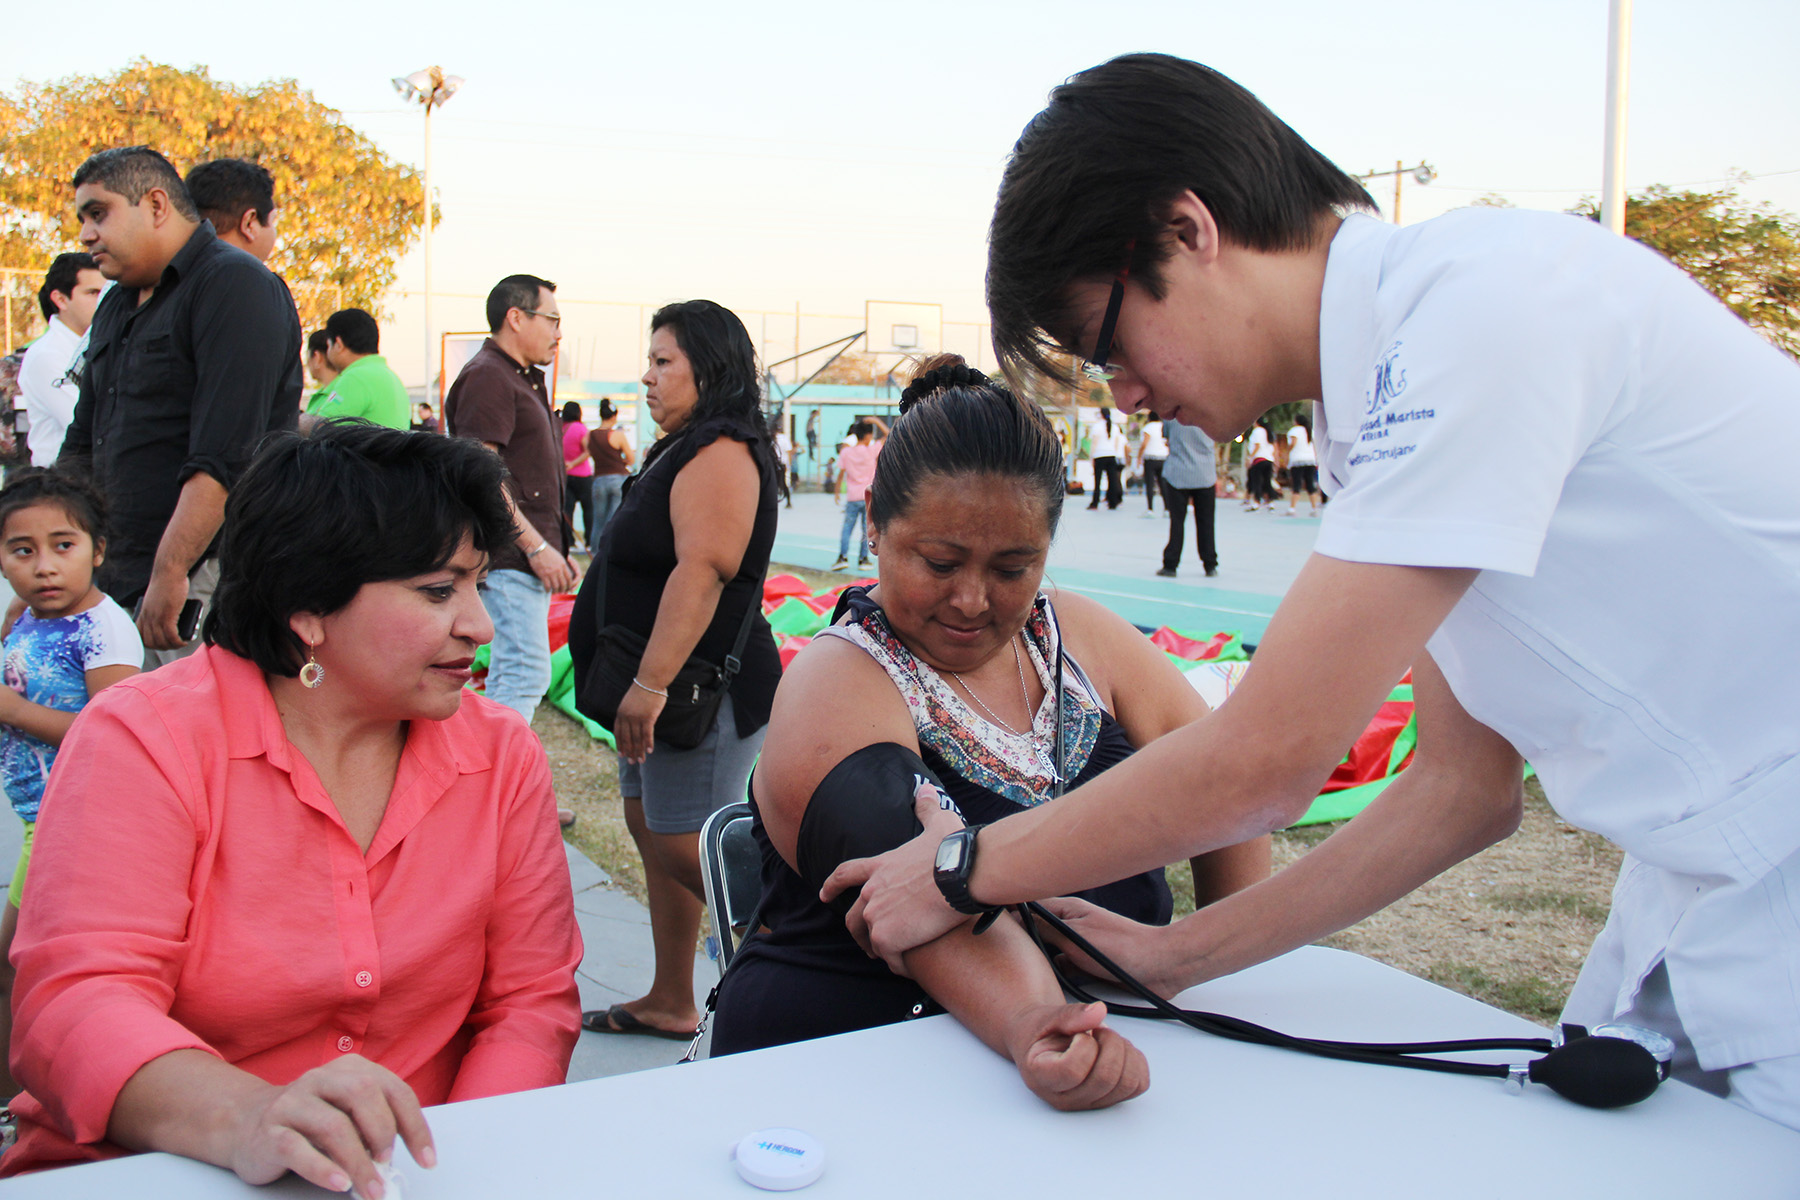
(905, 329)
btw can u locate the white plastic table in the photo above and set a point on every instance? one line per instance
(924, 1110)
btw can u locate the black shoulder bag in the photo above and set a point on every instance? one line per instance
(694, 694)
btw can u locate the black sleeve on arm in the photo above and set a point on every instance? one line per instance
(863, 807)
(240, 339)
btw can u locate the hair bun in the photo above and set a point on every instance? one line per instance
(959, 374)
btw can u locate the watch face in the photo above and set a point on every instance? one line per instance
(950, 853)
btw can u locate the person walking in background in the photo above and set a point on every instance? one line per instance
(1111, 453)
(49, 380)
(578, 471)
(365, 386)
(1303, 466)
(238, 197)
(424, 420)
(1259, 476)
(682, 567)
(500, 399)
(191, 360)
(1154, 452)
(612, 456)
(855, 471)
(784, 454)
(1189, 477)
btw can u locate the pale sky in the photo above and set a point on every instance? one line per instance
(825, 154)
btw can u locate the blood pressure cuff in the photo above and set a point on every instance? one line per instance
(862, 808)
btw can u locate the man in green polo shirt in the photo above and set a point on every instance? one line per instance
(366, 386)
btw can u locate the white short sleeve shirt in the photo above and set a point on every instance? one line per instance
(1531, 396)
(1300, 447)
(1260, 447)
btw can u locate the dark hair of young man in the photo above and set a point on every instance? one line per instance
(227, 188)
(1087, 190)
(356, 329)
(956, 421)
(515, 291)
(130, 171)
(74, 494)
(306, 500)
(317, 342)
(64, 273)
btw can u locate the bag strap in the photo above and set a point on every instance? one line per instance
(734, 661)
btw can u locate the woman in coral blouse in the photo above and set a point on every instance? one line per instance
(293, 887)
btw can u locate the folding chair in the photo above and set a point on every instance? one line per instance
(731, 870)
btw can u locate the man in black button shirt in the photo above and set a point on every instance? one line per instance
(191, 360)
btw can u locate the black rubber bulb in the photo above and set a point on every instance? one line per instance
(1600, 1072)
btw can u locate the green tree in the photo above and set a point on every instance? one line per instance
(346, 211)
(1748, 255)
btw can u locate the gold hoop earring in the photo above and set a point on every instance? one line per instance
(312, 674)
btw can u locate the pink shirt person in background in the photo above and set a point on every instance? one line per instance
(856, 470)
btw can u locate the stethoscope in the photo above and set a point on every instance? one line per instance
(1608, 1066)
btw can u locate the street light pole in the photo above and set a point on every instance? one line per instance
(427, 248)
(430, 88)
(1618, 95)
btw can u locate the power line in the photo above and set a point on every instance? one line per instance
(1746, 178)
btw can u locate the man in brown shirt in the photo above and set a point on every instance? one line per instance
(500, 400)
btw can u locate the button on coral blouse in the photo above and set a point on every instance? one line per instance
(192, 886)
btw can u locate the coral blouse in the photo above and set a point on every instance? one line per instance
(193, 886)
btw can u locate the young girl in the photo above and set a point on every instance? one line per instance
(71, 641)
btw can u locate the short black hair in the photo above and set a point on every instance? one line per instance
(515, 291)
(956, 421)
(374, 503)
(571, 411)
(317, 342)
(1087, 189)
(131, 171)
(64, 274)
(227, 188)
(356, 329)
(74, 493)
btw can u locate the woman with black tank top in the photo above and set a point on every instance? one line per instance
(684, 559)
(952, 655)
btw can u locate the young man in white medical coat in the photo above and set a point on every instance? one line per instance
(1521, 420)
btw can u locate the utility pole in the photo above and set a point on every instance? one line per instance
(1423, 173)
(1618, 96)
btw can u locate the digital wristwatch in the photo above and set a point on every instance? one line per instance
(955, 862)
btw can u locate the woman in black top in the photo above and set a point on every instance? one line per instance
(684, 561)
(952, 656)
